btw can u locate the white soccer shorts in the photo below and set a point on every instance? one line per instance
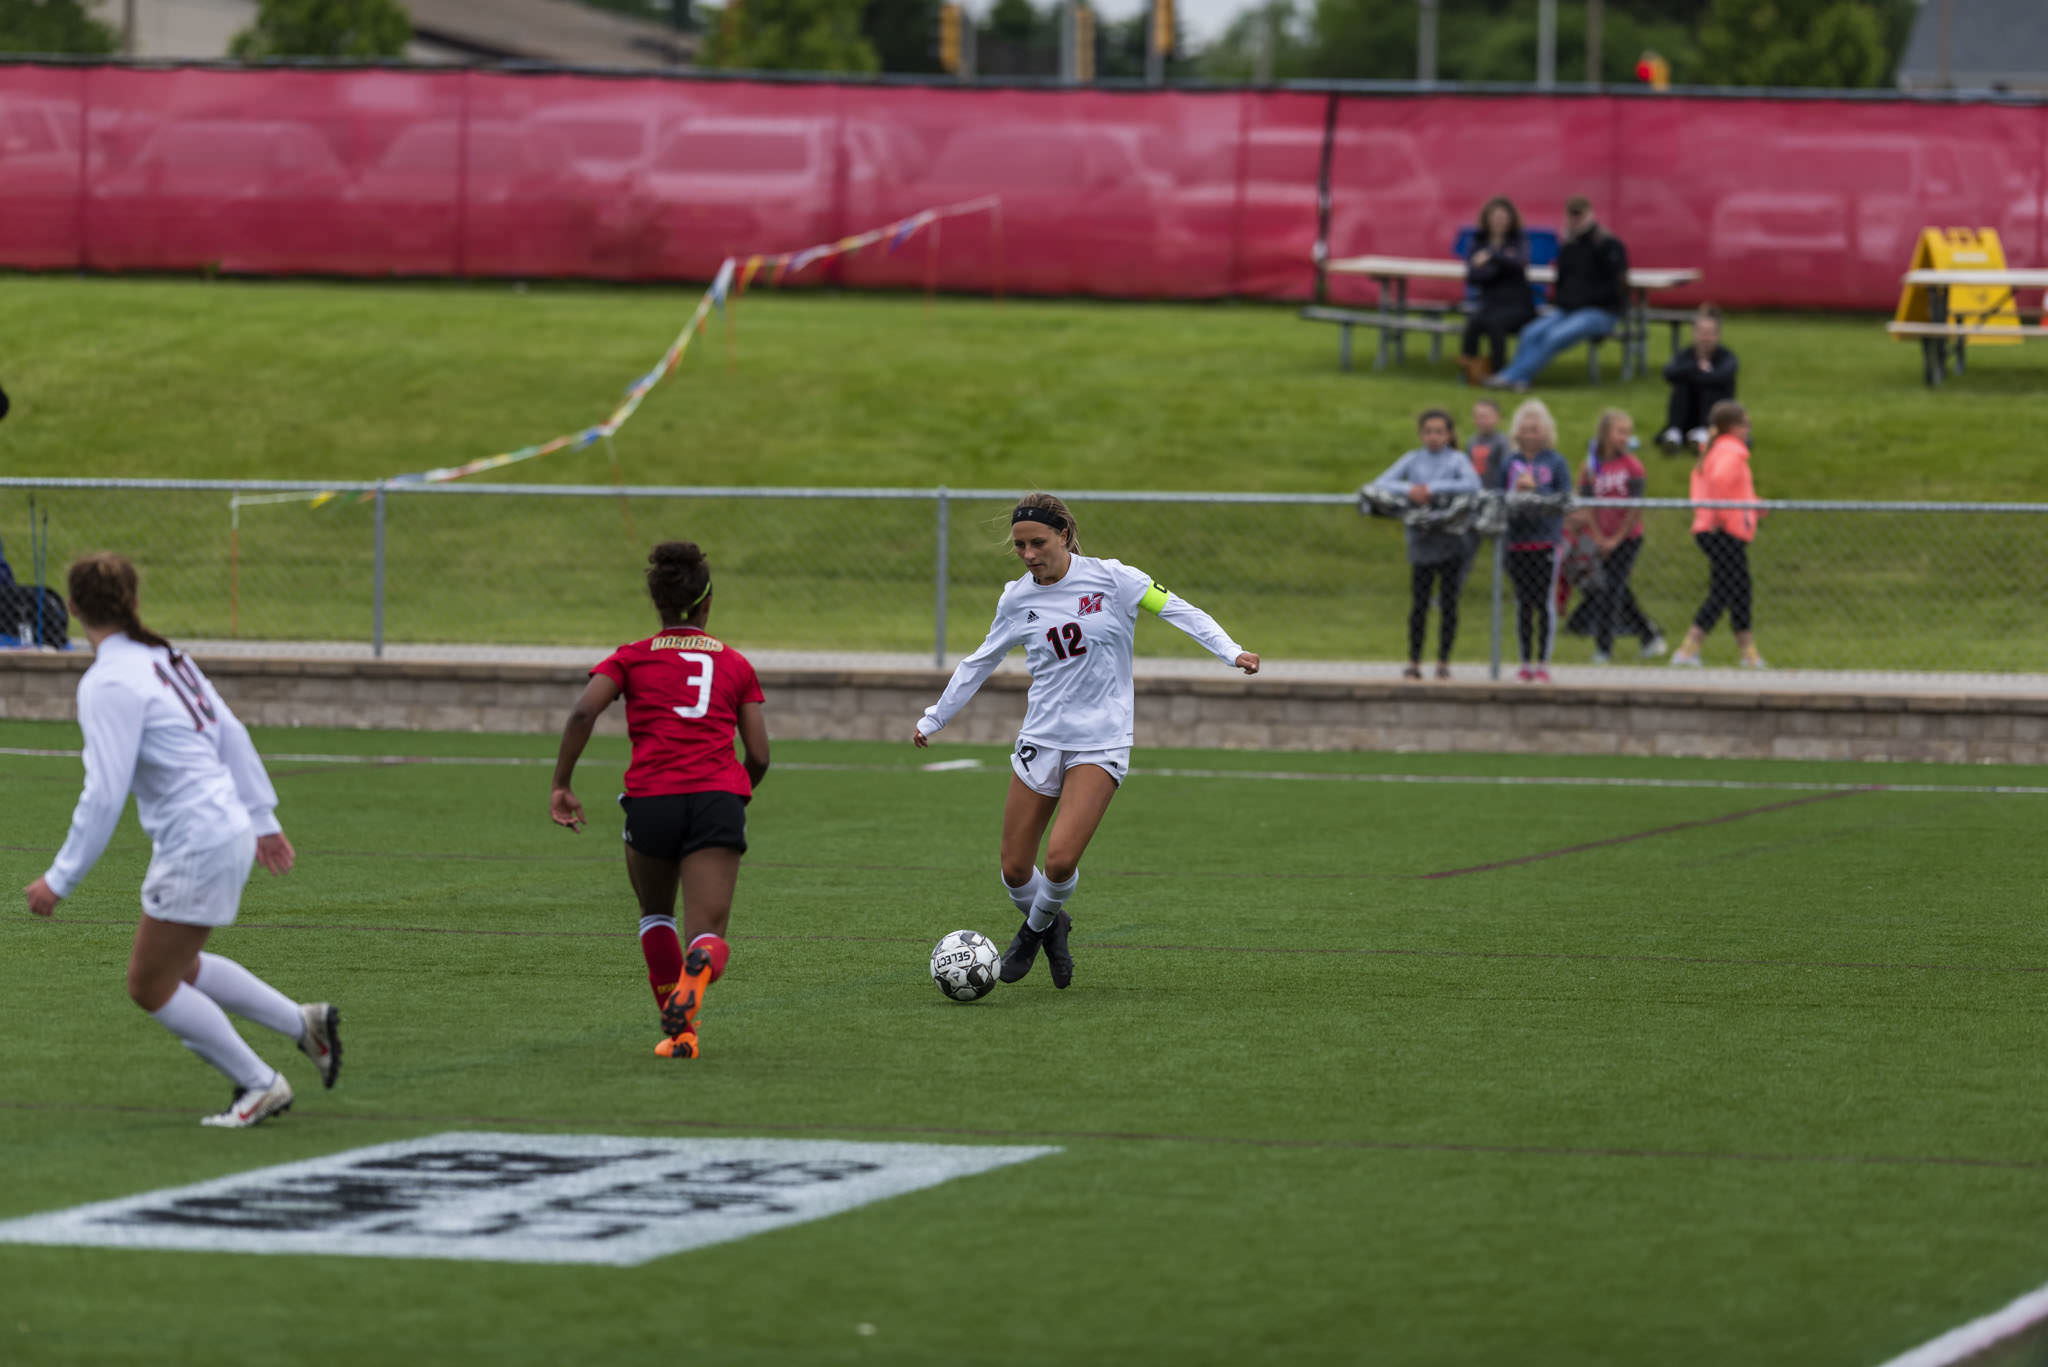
(199, 887)
(1043, 769)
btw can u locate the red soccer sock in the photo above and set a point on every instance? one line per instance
(718, 950)
(663, 951)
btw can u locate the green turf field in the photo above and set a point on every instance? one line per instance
(296, 380)
(1756, 1087)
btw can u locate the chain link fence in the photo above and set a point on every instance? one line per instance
(1835, 586)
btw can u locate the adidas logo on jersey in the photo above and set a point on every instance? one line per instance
(1030, 616)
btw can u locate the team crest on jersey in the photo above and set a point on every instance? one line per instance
(1090, 602)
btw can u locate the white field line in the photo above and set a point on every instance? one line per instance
(1980, 1335)
(1733, 785)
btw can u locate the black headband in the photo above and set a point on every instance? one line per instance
(1044, 515)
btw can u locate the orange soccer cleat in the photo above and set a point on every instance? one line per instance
(678, 1046)
(679, 1014)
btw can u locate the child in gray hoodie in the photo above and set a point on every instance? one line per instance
(1433, 468)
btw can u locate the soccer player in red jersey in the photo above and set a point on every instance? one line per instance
(686, 792)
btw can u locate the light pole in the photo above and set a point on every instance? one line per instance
(1595, 13)
(1546, 43)
(1425, 43)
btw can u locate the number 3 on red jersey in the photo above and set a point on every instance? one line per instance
(701, 681)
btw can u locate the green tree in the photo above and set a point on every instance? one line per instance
(324, 28)
(1015, 20)
(904, 34)
(1832, 43)
(1494, 40)
(1237, 53)
(52, 26)
(788, 35)
(1121, 46)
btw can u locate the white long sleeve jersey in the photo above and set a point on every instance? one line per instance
(1077, 636)
(154, 724)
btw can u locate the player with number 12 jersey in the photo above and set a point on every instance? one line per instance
(1076, 617)
(687, 692)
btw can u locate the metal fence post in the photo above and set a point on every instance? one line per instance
(1500, 551)
(939, 587)
(377, 581)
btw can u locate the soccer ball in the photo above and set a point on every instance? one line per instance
(964, 965)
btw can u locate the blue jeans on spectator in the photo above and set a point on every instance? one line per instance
(1552, 333)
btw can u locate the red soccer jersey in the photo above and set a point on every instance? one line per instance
(1620, 477)
(683, 695)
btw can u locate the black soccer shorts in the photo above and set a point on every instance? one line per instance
(677, 825)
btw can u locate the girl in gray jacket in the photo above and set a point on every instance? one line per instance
(1436, 467)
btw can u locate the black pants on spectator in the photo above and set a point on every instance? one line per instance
(1534, 575)
(1449, 578)
(1496, 326)
(1727, 581)
(1687, 409)
(1615, 602)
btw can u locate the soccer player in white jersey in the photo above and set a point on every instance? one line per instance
(1076, 617)
(154, 724)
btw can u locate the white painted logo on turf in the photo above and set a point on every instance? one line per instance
(519, 1197)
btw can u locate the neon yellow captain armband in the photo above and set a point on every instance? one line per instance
(1155, 598)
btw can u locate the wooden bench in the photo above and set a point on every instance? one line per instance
(1390, 325)
(1935, 339)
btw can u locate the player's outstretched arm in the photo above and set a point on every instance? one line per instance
(563, 808)
(1004, 634)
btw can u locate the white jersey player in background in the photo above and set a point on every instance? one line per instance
(1076, 617)
(154, 724)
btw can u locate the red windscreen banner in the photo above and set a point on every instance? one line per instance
(1125, 194)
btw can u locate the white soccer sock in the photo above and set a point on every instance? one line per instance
(1051, 897)
(1027, 894)
(248, 996)
(199, 1023)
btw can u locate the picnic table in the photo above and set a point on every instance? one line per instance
(1395, 317)
(1946, 331)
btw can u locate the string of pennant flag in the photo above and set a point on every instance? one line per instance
(734, 277)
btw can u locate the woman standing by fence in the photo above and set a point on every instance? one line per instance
(1721, 475)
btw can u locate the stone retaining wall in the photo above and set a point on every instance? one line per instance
(1228, 712)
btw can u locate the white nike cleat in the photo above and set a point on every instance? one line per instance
(322, 1040)
(253, 1106)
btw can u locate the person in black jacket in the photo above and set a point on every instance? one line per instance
(31, 614)
(1700, 377)
(1497, 277)
(1590, 294)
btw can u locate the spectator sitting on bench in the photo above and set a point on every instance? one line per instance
(1700, 377)
(1590, 294)
(18, 604)
(1497, 276)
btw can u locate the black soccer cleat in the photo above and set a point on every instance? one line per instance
(1021, 954)
(1057, 959)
